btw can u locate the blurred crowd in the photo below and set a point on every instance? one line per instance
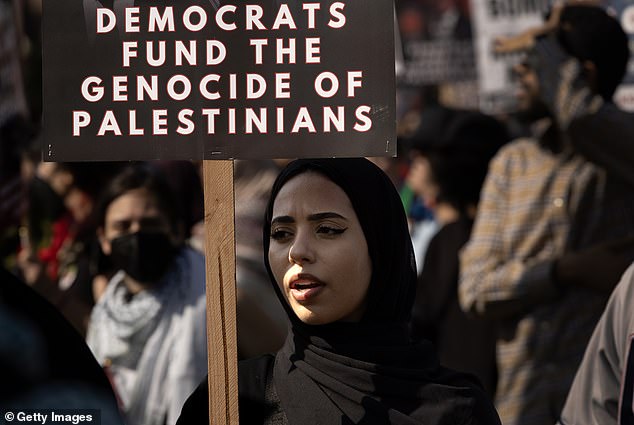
(522, 223)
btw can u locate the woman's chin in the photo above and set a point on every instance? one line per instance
(311, 317)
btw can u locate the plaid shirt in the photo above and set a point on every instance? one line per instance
(536, 205)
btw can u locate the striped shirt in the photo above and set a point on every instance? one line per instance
(535, 206)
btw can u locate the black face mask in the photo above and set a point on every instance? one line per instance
(145, 257)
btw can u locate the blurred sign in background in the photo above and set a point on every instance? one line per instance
(448, 57)
(493, 19)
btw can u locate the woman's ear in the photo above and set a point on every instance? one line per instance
(105, 243)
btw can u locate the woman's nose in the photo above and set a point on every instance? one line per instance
(135, 226)
(301, 250)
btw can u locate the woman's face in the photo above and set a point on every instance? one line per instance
(134, 211)
(318, 252)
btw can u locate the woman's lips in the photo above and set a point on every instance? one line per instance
(305, 287)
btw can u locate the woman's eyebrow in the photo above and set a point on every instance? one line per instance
(325, 215)
(284, 219)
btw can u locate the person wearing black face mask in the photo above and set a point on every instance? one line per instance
(148, 329)
(144, 256)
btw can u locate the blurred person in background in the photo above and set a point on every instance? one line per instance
(59, 253)
(12, 93)
(15, 136)
(47, 224)
(44, 362)
(261, 321)
(429, 127)
(186, 184)
(554, 231)
(603, 390)
(447, 172)
(148, 329)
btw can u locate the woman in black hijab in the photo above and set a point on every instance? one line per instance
(338, 252)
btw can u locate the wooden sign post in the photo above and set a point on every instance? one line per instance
(221, 292)
(195, 80)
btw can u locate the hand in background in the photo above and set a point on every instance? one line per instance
(599, 267)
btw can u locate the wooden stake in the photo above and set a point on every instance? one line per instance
(221, 292)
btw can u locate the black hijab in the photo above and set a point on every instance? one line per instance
(369, 372)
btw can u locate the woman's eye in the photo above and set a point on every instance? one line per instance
(279, 235)
(331, 231)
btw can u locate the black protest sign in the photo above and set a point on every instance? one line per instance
(141, 79)
(436, 42)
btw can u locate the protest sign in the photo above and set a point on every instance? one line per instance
(436, 51)
(501, 18)
(142, 80)
(436, 42)
(188, 80)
